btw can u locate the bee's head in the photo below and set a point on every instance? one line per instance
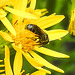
(30, 27)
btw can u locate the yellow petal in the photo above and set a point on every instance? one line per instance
(44, 13)
(17, 63)
(27, 74)
(2, 74)
(43, 70)
(51, 52)
(56, 34)
(16, 47)
(8, 25)
(2, 13)
(20, 13)
(6, 36)
(2, 65)
(24, 5)
(39, 72)
(50, 21)
(22, 72)
(71, 27)
(35, 63)
(27, 56)
(20, 5)
(2, 71)
(31, 60)
(45, 63)
(43, 19)
(1, 60)
(3, 3)
(8, 69)
(33, 4)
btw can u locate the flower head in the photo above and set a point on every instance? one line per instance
(26, 42)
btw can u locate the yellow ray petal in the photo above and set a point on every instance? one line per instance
(50, 21)
(27, 74)
(2, 13)
(24, 5)
(43, 18)
(20, 5)
(43, 70)
(34, 63)
(71, 27)
(1, 60)
(51, 52)
(6, 36)
(3, 3)
(44, 13)
(39, 72)
(20, 13)
(8, 69)
(33, 4)
(2, 74)
(2, 65)
(22, 72)
(27, 56)
(8, 25)
(41, 10)
(45, 63)
(56, 34)
(17, 63)
(2, 71)
(31, 60)
(16, 47)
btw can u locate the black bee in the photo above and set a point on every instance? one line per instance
(43, 37)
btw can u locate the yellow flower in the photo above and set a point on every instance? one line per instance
(72, 23)
(24, 41)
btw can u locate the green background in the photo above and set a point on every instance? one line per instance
(66, 45)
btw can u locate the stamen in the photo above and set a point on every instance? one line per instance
(26, 38)
(16, 22)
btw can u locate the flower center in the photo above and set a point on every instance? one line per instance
(24, 37)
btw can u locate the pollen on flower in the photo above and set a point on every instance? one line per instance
(24, 37)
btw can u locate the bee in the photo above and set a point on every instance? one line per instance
(43, 37)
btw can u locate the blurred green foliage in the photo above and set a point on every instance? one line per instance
(73, 4)
(66, 45)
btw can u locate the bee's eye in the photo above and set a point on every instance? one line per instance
(29, 27)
